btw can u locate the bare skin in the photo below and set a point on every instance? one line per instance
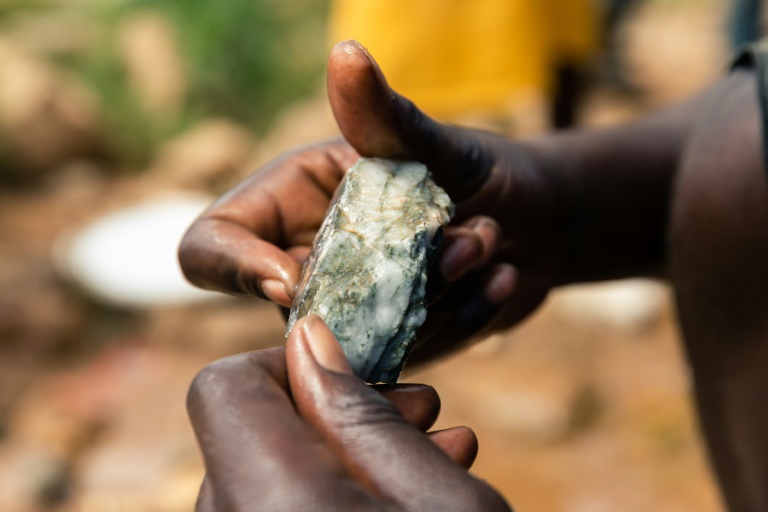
(293, 429)
(718, 249)
(681, 194)
(523, 224)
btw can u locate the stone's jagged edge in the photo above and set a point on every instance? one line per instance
(300, 307)
(347, 276)
(399, 347)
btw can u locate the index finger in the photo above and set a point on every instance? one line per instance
(221, 255)
(252, 241)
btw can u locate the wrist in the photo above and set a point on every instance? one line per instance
(613, 188)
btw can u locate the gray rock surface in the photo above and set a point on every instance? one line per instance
(367, 271)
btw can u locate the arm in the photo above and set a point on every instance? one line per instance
(530, 215)
(617, 185)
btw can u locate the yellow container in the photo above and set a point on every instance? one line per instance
(453, 57)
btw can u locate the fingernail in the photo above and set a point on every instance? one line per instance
(501, 285)
(459, 258)
(324, 346)
(276, 291)
(380, 78)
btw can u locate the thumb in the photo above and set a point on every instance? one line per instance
(378, 122)
(380, 449)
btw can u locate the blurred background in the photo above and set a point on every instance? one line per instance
(120, 120)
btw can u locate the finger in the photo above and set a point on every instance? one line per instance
(488, 231)
(236, 246)
(501, 285)
(459, 443)
(378, 122)
(220, 255)
(254, 445)
(386, 454)
(465, 247)
(418, 404)
(469, 310)
(506, 296)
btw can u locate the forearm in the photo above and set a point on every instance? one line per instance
(617, 185)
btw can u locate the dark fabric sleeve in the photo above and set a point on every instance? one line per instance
(755, 56)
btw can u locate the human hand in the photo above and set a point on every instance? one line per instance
(290, 429)
(498, 260)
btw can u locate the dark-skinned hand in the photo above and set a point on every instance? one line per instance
(498, 260)
(291, 429)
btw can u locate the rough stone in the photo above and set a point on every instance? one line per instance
(367, 271)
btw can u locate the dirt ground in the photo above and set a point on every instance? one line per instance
(584, 408)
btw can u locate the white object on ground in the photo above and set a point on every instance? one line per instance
(627, 305)
(128, 257)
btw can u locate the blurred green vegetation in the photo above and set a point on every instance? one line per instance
(247, 58)
(243, 59)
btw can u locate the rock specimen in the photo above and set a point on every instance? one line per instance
(367, 271)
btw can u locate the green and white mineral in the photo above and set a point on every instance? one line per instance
(367, 272)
